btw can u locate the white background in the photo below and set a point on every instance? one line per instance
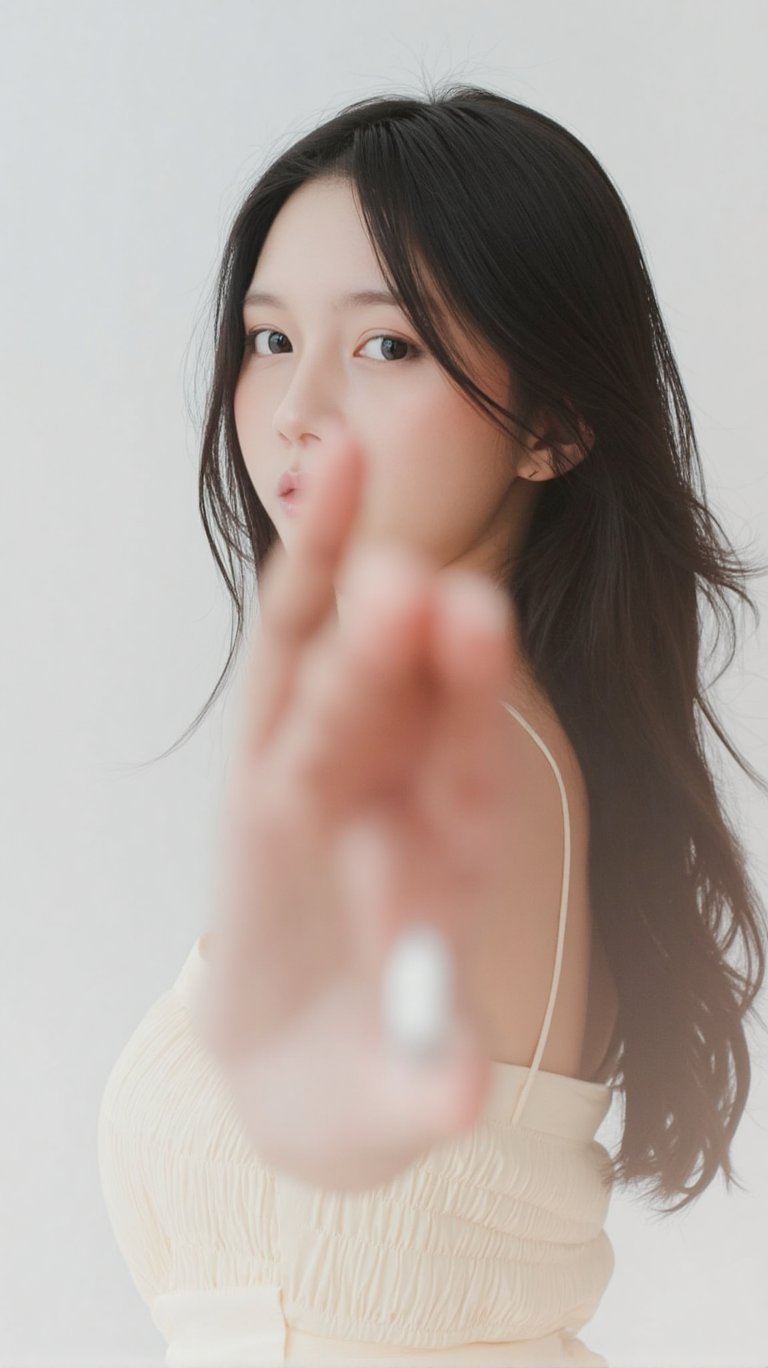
(130, 134)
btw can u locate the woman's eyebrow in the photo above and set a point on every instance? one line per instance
(354, 299)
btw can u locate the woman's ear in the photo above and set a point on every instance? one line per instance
(538, 463)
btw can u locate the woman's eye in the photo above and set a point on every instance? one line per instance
(252, 341)
(397, 342)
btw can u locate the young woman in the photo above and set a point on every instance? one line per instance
(447, 434)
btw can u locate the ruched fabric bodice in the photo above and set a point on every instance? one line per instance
(490, 1249)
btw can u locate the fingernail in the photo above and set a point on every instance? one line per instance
(417, 994)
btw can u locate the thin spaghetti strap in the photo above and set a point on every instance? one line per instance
(533, 1069)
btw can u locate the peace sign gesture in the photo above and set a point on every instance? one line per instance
(369, 794)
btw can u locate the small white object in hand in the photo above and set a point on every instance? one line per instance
(417, 992)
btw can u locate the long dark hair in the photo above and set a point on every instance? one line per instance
(533, 248)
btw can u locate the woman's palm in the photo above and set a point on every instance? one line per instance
(370, 793)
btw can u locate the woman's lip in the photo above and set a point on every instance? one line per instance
(289, 481)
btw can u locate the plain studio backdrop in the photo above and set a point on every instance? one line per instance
(130, 133)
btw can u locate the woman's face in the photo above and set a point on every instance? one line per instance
(439, 478)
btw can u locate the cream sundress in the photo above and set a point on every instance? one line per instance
(488, 1250)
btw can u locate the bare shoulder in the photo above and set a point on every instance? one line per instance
(513, 961)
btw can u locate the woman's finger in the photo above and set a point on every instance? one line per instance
(474, 651)
(365, 692)
(296, 590)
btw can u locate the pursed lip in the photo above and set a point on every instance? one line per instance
(290, 483)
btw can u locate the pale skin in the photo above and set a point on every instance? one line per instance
(377, 781)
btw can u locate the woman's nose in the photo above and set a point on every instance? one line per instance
(310, 402)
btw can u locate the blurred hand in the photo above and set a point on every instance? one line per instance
(369, 792)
